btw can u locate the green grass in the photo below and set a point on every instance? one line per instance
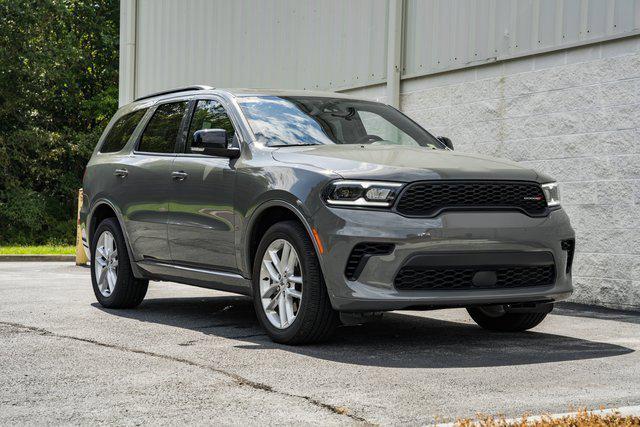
(33, 250)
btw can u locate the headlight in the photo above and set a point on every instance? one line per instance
(551, 193)
(376, 194)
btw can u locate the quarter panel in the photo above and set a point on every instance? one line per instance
(88, 220)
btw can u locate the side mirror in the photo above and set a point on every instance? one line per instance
(213, 142)
(446, 141)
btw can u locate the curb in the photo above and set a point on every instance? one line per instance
(35, 257)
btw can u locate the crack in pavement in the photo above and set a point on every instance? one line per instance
(237, 379)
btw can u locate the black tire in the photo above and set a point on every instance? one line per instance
(506, 322)
(128, 291)
(316, 320)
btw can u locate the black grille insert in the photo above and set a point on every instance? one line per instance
(569, 245)
(430, 198)
(361, 254)
(461, 277)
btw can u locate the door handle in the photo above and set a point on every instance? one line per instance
(179, 175)
(121, 173)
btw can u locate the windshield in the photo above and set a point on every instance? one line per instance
(282, 121)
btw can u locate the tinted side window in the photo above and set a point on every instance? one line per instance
(161, 133)
(120, 132)
(209, 114)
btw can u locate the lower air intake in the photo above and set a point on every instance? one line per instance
(361, 254)
(569, 246)
(460, 278)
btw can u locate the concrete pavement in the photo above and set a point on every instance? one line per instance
(198, 356)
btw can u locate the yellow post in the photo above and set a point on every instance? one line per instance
(81, 256)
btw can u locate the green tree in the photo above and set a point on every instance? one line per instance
(58, 88)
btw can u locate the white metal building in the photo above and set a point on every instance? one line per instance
(554, 84)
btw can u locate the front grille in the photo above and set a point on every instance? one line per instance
(361, 254)
(569, 246)
(451, 278)
(430, 198)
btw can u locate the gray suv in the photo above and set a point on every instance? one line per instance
(323, 208)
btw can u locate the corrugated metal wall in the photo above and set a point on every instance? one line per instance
(445, 34)
(337, 44)
(287, 43)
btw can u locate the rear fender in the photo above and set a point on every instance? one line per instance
(137, 272)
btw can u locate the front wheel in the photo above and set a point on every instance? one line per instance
(495, 318)
(289, 293)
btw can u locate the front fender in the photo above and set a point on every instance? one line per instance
(287, 201)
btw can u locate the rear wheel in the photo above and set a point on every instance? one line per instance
(289, 293)
(495, 318)
(113, 281)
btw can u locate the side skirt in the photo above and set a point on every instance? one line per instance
(211, 279)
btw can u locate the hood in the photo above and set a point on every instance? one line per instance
(401, 163)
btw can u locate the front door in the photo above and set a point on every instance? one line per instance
(148, 182)
(201, 215)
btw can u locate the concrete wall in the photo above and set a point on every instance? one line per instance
(574, 114)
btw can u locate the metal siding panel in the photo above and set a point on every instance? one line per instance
(524, 17)
(572, 19)
(460, 16)
(276, 43)
(463, 22)
(338, 44)
(547, 23)
(624, 15)
(481, 39)
(409, 45)
(503, 28)
(378, 56)
(446, 34)
(596, 19)
(444, 43)
(491, 31)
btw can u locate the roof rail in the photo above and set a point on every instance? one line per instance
(178, 89)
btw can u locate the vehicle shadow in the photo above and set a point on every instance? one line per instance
(397, 340)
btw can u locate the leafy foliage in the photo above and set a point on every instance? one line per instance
(58, 89)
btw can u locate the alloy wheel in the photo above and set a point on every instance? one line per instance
(281, 283)
(106, 263)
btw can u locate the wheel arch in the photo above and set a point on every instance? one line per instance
(263, 217)
(102, 210)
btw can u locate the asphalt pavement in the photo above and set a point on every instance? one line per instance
(190, 355)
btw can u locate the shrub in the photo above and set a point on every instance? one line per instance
(41, 174)
(58, 88)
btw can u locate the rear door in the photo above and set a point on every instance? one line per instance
(106, 176)
(148, 181)
(201, 215)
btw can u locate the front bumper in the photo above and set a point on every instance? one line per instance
(450, 232)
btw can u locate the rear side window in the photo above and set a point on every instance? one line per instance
(121, 131)
(161, 134)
